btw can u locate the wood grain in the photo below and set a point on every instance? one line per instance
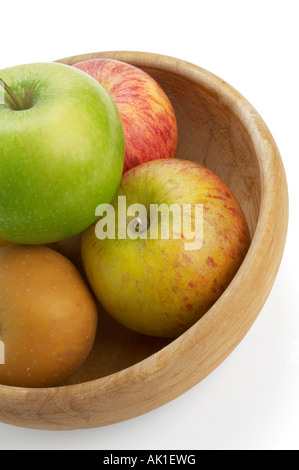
(128, 374)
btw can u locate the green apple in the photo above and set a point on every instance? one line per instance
(61, 151)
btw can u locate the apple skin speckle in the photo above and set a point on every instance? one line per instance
(211, 262)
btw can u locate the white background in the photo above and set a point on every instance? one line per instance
(251, 401)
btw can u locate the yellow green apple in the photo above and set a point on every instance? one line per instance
(160, 282)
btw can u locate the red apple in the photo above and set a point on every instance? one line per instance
(148, 117)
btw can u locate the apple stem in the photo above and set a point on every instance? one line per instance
(17, 103)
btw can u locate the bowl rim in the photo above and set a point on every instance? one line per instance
(269, 236)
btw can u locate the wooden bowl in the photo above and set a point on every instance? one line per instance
(128, 374)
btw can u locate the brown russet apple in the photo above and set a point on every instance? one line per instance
(148, 118)
(48, 316)
(158, 281)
